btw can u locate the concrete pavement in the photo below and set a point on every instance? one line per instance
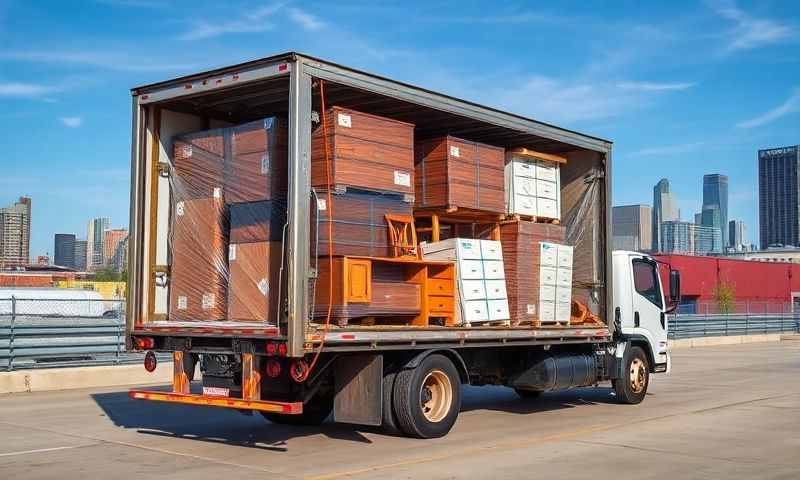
(729, 412)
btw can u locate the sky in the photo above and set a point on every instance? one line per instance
(681, 88)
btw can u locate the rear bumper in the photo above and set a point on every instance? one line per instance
(288, 408)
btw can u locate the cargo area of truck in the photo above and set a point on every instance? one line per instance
(197, 279)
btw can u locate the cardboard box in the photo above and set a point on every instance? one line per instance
(256, 168)
(198, 160)
(254, 276)
(257, 221)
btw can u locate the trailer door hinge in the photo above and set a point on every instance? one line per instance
(160, 275)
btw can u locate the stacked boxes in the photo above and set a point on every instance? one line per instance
(555, 282)
(532, 186)
(456, 173)
(521, 242)
(480, 276)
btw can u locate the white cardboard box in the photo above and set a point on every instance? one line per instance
(496, 289)
(565, 254)
(548, 276)
(498, 310)
(475, 311)
(547, 311)
(564, 278)
(548, 255)
(493, 270)
(491, 250)
(563, 311)
(470, 269)
(545, 189)
(547, 293)
(473, 289)
(563, 294)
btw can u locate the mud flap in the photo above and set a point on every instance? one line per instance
(359, 389)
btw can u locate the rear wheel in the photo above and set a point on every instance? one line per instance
(632, 386)
(427, 399)
(389, 422)
(315, 411)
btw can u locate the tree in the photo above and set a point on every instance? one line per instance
(725, 295)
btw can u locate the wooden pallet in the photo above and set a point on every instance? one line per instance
(342, 189)
(515, 217)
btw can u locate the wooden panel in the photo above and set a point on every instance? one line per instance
(256, 167)
(358, 281)
(440, 287)
(253, 286)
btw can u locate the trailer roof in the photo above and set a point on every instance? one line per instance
(544, 130)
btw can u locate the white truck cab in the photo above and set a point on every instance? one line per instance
(641, 306)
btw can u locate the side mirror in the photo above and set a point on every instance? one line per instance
(674, 287)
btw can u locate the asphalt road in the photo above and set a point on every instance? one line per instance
(725, 413)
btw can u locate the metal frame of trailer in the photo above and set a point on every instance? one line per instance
(302, 338)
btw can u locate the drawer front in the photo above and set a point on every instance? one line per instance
(468, 248)
(476, 311)
(496, 289)
(547, 208)
(547, 293)
(564, 278)
(563, 294)
(547, 171)
(440, 304)
(563, 311)
(498, 310)
(473, 290)
(524, 205)
(524, 186)
(547, 275)
(548, 254)
(545, 189)
(470, 269)
(524, 168)
(547, 311)
(565, 256)
(493, 270)
(440, 286)
(491, 250)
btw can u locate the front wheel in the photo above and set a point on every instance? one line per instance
(632, 386)
(427, 399)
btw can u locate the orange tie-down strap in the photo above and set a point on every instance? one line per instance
(288, 408)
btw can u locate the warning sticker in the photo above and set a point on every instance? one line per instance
(402, 178)
(187, 151)
(232, 252)
(345, 121)
(455, 152)
(179, 209)
(322, 204)
(531, 309)
(264, 164)
(263, 286)
(182, 302)
(208, 301)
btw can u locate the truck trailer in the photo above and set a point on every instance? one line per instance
(319, 240)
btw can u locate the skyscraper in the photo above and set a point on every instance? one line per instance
(631, 227)
(81, 248)
(664, 210)
(111, 241)
(737, 233)
(711, 219)
(715, 194)
(64, 250)
(15, 234)
(689, 238)
(778, 192)
(95, 239)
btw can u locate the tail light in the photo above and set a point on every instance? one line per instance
(299, 370)
(150, 361)
(282, 349)
(143, 343)
(273, 368)
(272, 349)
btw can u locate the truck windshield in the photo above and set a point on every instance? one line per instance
(645, 281)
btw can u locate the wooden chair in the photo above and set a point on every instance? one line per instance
(402, 235)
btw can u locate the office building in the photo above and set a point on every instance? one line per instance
(631, 227)
(737, 234)
(64, 250)
(706, 240)
(711, 218)
(715, 196)
(119, 262)
(698, 218)
(111, 241)
(80, 255)
(95, 239)
(690, 239)
(15, 234)
(778, 191)
(664, 210)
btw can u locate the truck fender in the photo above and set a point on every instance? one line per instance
(453, 355)
(638, 340)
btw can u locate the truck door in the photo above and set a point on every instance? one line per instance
(649, 318)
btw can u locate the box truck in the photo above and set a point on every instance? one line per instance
(318, 240)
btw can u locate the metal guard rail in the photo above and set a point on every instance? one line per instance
(720, 325)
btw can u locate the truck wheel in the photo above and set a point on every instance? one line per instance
(529, 394)
(427, 399)
(632, 387)
(389, 422)
(315, 411)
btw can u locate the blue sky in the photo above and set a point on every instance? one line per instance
(682, 88)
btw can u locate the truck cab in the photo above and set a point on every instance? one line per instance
(641, 305)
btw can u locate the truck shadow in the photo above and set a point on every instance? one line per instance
(505, 400)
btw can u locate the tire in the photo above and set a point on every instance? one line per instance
(632, 388)
(528, 394)
(427, 399)
(315, 411)
(389, 422)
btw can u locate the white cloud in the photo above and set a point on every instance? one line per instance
(121, 61)
(790, 105)
(251, 22)
(655, 87)
(71, 122)
(305, 20)
(750, 32)
(25, 90)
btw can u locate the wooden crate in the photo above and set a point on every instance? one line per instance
(253, 287)
(199, 160)
(521, 242)
(257, 221)
(458, 174)
(256, 165)
(365, 151)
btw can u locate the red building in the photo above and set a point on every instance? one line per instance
(755, 286)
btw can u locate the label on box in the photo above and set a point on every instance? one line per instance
(182, 302)
(265, 164)
(263, 286)
(402, 178)
(208, 301)
(322, 204)
(345, 121)
(217, 192)
(187, 151)
(232, 252)
(531, 309)
(455, 152)
(179, 209)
